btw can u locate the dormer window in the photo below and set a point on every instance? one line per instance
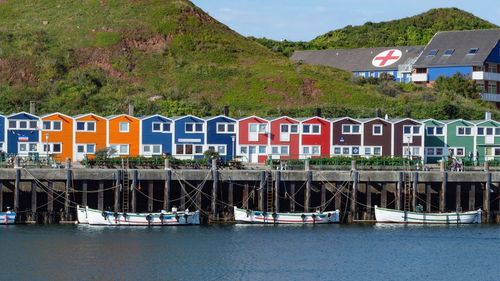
(449, 52)
(433, 52)
(472, 51)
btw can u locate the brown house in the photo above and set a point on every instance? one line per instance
(346, 137)
(377, 137)
(408, 138)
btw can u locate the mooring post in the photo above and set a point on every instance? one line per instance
(198, 197)
(338, 196)
(33, 201)
(368, 215)
(458, 197)
(277, 184)
(262, 186)
(84, 193)
(230, 194)
(118, 184)
(245, 196)
(323, 197)
(135, 183)
(168, 185)
(215, 186)
(150, 195)
(307, 195)
(292, 197)
(486, 196)
(428, 197)
(183, 197)
(17, 184)
(414, 191)
(355, 184)
(442, 192)
(100, 196)
(399, 188)
(383, 196)
(67, 215)
(472, 197)
(50, 201)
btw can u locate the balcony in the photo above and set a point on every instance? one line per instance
(420, 77)
(482, 75)
(490, 97)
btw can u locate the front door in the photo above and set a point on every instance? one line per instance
(285, 133)
(80, 152)
(252, 154)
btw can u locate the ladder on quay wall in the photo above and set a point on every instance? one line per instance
(269, 192)
(408, 192)
(125, 191)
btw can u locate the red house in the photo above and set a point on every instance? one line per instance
(315, 137)
(253, 139)
(346, 137)
(285, 138)
(377, 137)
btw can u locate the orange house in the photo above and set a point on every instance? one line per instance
(57, 136)
(124, 134)
(90, 135)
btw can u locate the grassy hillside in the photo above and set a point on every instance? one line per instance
(416, 30)
(170, 57)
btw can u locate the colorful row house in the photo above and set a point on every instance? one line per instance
(156, 135)
(189, 137)
(220, 135)
(91, 133)
(3, 148)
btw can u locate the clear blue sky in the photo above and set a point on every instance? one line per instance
(305, 19)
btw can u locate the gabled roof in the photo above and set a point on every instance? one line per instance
(356, 59)
(479, 122)
(154, 115)
(399, 120)
(55, 113)
(334, 120)
(366, 120)
(218, 116)
(78, 116)
(253, 116)
(283, 117)
(305, 119)
(432, 120)
(22, 112)
(175, 118)
(111, 117)
(447, 122)
(461, 41)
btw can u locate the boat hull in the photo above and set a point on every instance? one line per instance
(258, 217)
(81, 215)
(395, 216)
(96, 217)
(7, 217)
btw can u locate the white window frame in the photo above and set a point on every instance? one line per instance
(280, 149)
(412, 149)
(351, 126)
(86, 126)
(378, 126)
(118, 147)
(51, 147)
(162, 126)
(226, 127)
(51, 125)
(465, 131)
(434, 150)
(151, 148)
(125, 130)
(28, 146)
(289, 126)
(86, 147)
(216, 148)
(455, 151)
(372, 151)
(434, 131)
(350, 148)
(412, 130)
(194, 131)
(194, 147)
(27, 122)
(311, 130)
(311, 150)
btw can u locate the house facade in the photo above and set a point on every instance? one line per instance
(189, 137)
(315, 137)
(253, 139)
(346, 137)
(284, 138)
(91, 135)
(3, 145)
(58, 136)
(487, 140)
(23, 134)
(124, 135)
(221, 136)
(156, 135)
(460, 138)
(435, 141)
(408, 138)
(377, 137)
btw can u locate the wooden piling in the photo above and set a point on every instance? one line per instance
(84, 193)
(383, 196)
(135, 183)
(166, 190)
(245, 196)
(368, 190)
(307, 195)
(472, 197)
(414, 191)
(198, 197)
(50, 202)
(215, 187)
(458, 197)
(277, 184)
(100, 196)
(442, 192)
(338, 196)
(230, 194)
(118, 184)
(355, 184)
(262, 187)
(183, 195)
(150, 195)
(67, 215)
(323, 197)
(292, 197)
(17, 184)
(486, 199)
(33, 201)
(399, 188)
(428, 197)
(1, 196)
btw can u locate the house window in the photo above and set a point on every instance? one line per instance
(449, 52)
(377, 151)
(188, 149)
(411, 151)
(33, 124)
(434, 151)
(262, 149)
(244, 149)
(377, 130)
(336, 150)
(311, 150)
(152, 149)
(472, 51)
(311, 129)
(124, 127)
(350, 129)
(52, 147)
(464, 131)
(161, 127)
(120, 149)
(411, 130)
(194, 127)
(12, 124)
(433, 52)
(225, 128)
(221, 149)
(52, 125)
(497, 131)
(26, 147)
(435, 131)
(289, 128)
(85, 126)
(279, 150)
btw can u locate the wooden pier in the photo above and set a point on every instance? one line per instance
(51, 195)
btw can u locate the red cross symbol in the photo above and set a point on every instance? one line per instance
(386, 58)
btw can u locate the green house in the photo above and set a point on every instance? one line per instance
(435, 141)
(487, 140)
(460, 138)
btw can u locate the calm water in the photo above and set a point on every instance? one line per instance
(328, 252)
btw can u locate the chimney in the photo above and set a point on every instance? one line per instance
(318, 112)
(130, 109)
(386, 117)
(378, 113)
(408, 113)
(32, 107)
(487, 116)
(226, 110)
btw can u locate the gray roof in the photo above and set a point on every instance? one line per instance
(461, 41)
(356, 59)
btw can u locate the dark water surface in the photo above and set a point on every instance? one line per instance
(325, 252)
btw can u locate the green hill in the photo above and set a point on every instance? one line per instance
(170, 57)
(416, 30)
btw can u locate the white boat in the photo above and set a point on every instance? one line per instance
(81, 215)
(384, 215)
(8, 217)
(249, 216)
(163, 218)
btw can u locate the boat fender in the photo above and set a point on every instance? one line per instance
(329, 215)
(125, 216)
(162, 218)
(176, 217)
(248, 213)
(115, 214)
(275, 216)
(303, 217)
(186, 218)
(104, 214)
(149, 218)
(314, 218)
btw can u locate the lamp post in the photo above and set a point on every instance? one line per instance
(47, 146)
(233, 138)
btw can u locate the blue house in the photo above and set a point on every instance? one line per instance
(156, 135)
(3, 147)
(23, 133)
(189, 137)
(221, 136)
